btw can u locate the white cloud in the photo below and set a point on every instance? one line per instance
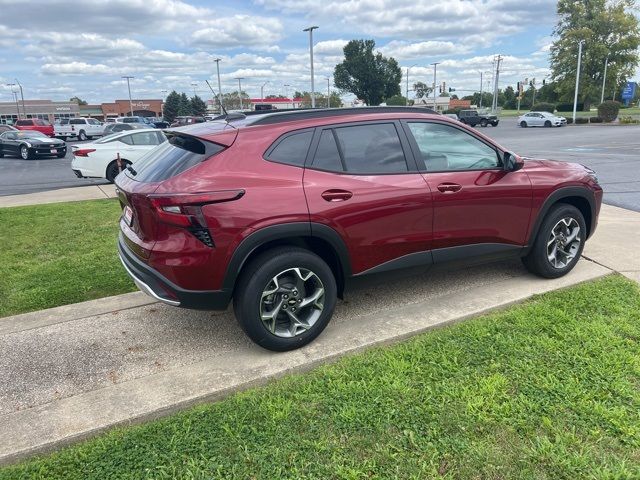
(237, 31)
(401, 50)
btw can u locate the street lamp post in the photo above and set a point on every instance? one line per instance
(129, 88)
(195, 86)
(328, 93)
(406, 102)
(262, 92)
(15, 98)
(24, 110)
(480, 91)
(164, 96)
(286, 93)
(217, 60)
(575, 96)
(313, 93)
(240, 90)
(435, 69)
(604, 78)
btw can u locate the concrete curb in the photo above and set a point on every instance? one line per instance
(52, 425)
(75, 194)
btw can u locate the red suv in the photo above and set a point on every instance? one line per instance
(279, 210)
(35, 124)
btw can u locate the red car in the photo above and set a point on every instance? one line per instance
(35, 124)
(279, 211)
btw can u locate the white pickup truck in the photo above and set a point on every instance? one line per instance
(81, 128)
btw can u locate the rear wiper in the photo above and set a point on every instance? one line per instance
(130, 168)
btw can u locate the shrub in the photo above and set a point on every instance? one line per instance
(608, 110)
(595, 120)
(569, 120)
(544, 107)
(581, 120)
(628, 120)
(568, 107)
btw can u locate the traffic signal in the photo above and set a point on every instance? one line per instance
(452, 89)
(544, 82)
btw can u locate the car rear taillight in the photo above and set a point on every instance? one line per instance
(185, 210)
(83, 152)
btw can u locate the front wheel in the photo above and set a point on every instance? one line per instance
(523, 124)
(547, 124)
(82, 136)
(25, 154)
(483, 123)
(559, 242)
(285, 298)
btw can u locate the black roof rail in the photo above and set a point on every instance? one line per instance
(270, 116)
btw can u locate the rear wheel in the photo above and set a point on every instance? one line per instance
(547, 124)
(559, 242)
(523, 124)
(113, 170)
(285, 298)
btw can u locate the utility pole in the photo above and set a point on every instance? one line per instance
(217, 60)
(604, 79)
(533, 100)
(164, 95)
(24, 110)
(480, 91)
(407, 97)
(286, 93)
(494, 105)
(328, 94)
(575, 96)
(262, 92)
(435, 70)
(15, 97)
(240, 90)
(313, 93)
(195, 86)
(129, 88)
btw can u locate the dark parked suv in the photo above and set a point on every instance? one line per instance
(473, 118)
(278, 211)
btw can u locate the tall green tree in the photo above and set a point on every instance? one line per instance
(198, 106)
(369, 76)
(184, 107)
(232, 101)
(78, 100)
(608, 27)
(321, 100)
(421, 89)
(171, 106)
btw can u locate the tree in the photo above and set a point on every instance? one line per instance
(78, 100)
(397, 100)
(608, 27)
(232, 101)
(171, 106)
(369, 76)
(421, 89)
(271, 97)
(509, 101)
(321, 100)
(184, 107)
(198, 106)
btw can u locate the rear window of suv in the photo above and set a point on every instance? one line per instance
(173, 157)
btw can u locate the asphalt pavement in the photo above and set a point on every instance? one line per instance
(612, 151)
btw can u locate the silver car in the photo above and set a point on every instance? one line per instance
(541, 119)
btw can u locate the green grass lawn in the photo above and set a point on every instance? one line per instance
(624, 112)
(58, 254)
(545, 390)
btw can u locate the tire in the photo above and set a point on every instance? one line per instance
(82, 136)
(561, 218)
(483, 123)
(250, 303)
(61, 155)
(547, 124)
(25, 154)
(112, 170)
(462, 120)
(523, 124)
(494, 124)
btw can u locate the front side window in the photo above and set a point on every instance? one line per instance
(371, 148)
(292, 149)
(446, 148)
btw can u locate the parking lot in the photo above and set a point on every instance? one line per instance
(613, 152)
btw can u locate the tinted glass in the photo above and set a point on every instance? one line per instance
(293, 149)
(145, 138)
(93, 121)
(126, 139)
(8, 136)
(24, 123)
(77, 121)
(327, 156)
(172, 158)
(372, 148)
(444, 148)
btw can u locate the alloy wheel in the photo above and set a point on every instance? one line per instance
(563, 243)
(24, 153)
(292, 302)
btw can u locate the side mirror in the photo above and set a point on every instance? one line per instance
(511, 162)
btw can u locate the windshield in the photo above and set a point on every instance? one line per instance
(32, 134)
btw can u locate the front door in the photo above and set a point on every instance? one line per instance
(478, 207)
(362, 184)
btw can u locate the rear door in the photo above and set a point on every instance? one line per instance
(478, 207)
(361, 181)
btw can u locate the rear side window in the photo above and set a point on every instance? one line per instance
(372, 148)
(24, 123)
(77, 121)
(173, 157)
(327, 156)
(292, 149)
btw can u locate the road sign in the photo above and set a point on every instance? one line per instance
(629, 92)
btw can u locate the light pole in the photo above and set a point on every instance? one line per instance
(286, 93)
(217, 60)
(240, 90)
(15, 97)
(24, 110)
(480, 107)
(262, 92)
(129, 88)
(435, 69)
(164, 96)
(328, 94)
(604, 79)
(195, 86)
(313, 93)
(575, 96)
(406, 102)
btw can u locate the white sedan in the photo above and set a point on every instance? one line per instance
(541, 119)
(99, 158)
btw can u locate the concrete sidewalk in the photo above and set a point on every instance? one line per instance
(92, 192)
(72, 372)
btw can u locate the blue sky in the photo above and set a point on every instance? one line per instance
(58, 49)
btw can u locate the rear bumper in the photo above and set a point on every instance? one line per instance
(157, 286)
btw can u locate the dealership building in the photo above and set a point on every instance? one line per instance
(51, 110)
